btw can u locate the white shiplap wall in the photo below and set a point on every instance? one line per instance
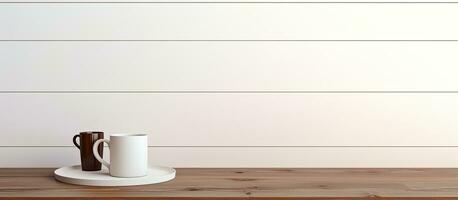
(233, 84)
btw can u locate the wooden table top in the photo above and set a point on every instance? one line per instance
(249, 183)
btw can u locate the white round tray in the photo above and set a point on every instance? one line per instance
(74, 175)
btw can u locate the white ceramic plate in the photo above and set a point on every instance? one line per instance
(74, 175)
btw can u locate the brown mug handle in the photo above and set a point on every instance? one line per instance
(74, 141)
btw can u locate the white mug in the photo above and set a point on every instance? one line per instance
(128, 154)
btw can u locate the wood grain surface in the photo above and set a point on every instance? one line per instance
(251, 183)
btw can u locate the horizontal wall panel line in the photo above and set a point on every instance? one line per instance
(228, 92)
(120, 40)
(262, 146)
(238, 2)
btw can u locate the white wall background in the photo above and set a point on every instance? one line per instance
(233, 84)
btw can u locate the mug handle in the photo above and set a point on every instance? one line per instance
(74, 141)
(96, 152)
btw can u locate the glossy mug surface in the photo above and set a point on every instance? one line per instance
(85, 145)
(128, 154)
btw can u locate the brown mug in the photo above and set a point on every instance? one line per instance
(86, 140)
